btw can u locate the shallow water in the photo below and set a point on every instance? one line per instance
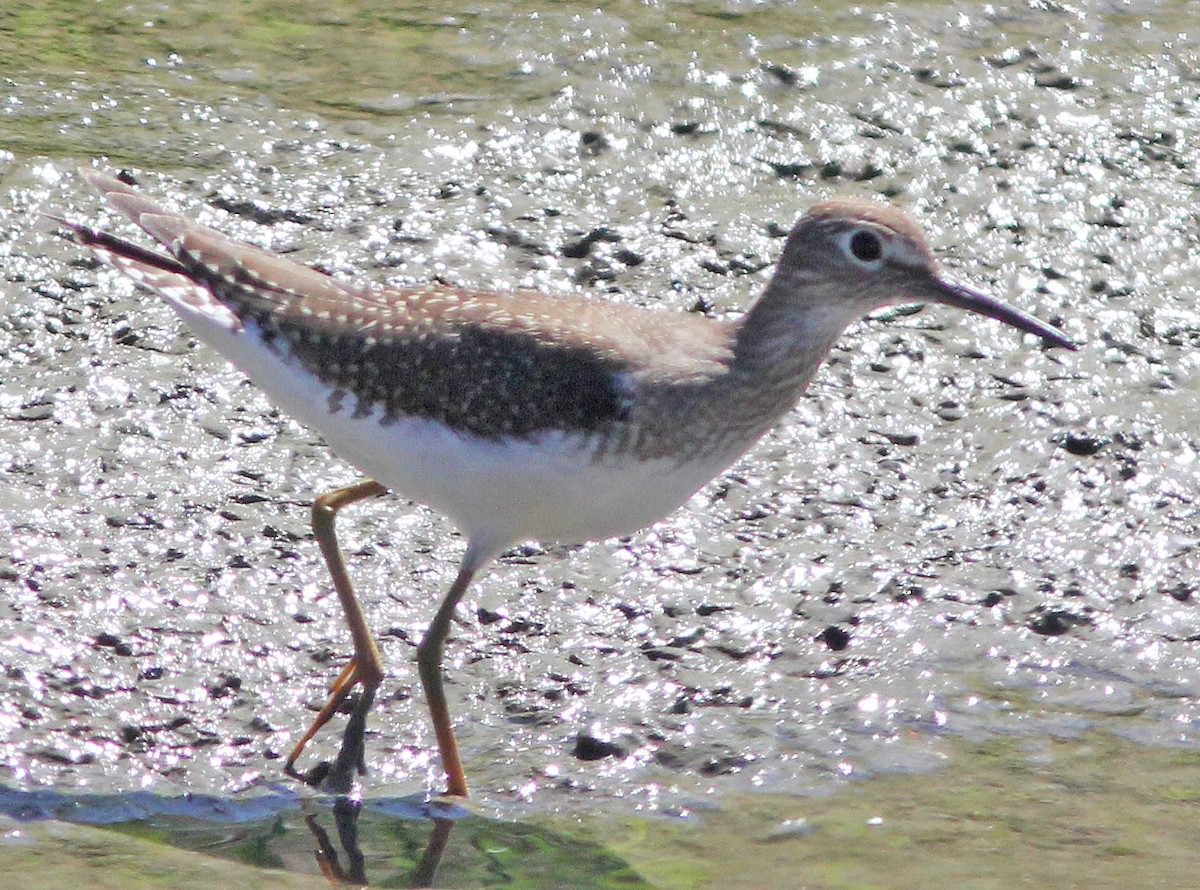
(1003, 538)
(1002, 813)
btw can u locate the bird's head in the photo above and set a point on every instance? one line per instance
(847, 257)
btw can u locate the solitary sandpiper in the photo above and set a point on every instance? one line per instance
(517, 415)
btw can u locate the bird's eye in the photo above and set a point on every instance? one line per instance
(865, 246)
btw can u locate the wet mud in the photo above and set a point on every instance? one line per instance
(958, 533)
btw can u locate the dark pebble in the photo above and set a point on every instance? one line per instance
(704, 609)
(1084, 444)
(836, 638)
(593, 142)
(1181, 592)
(1053, 622)
(591, 748)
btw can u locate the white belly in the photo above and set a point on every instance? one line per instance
(497, 492)
(548, 488)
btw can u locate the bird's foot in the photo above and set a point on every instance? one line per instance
(337, 776)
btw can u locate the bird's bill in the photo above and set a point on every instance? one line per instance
(953, 294)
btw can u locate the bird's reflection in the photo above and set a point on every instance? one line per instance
(345, 817)
(338, 777)
(351, 870)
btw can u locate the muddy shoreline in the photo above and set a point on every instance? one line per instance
(957, 532)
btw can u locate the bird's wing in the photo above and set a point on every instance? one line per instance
(484, 362)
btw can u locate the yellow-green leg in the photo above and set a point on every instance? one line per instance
(366, 667)
(429, 664)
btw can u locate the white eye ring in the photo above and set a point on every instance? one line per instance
(864, 247)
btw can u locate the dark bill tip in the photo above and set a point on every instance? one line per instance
(954, 294)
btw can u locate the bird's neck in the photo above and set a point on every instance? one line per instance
(780, 342)
(776, 349)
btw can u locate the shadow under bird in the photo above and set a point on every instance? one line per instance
(517, 415)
